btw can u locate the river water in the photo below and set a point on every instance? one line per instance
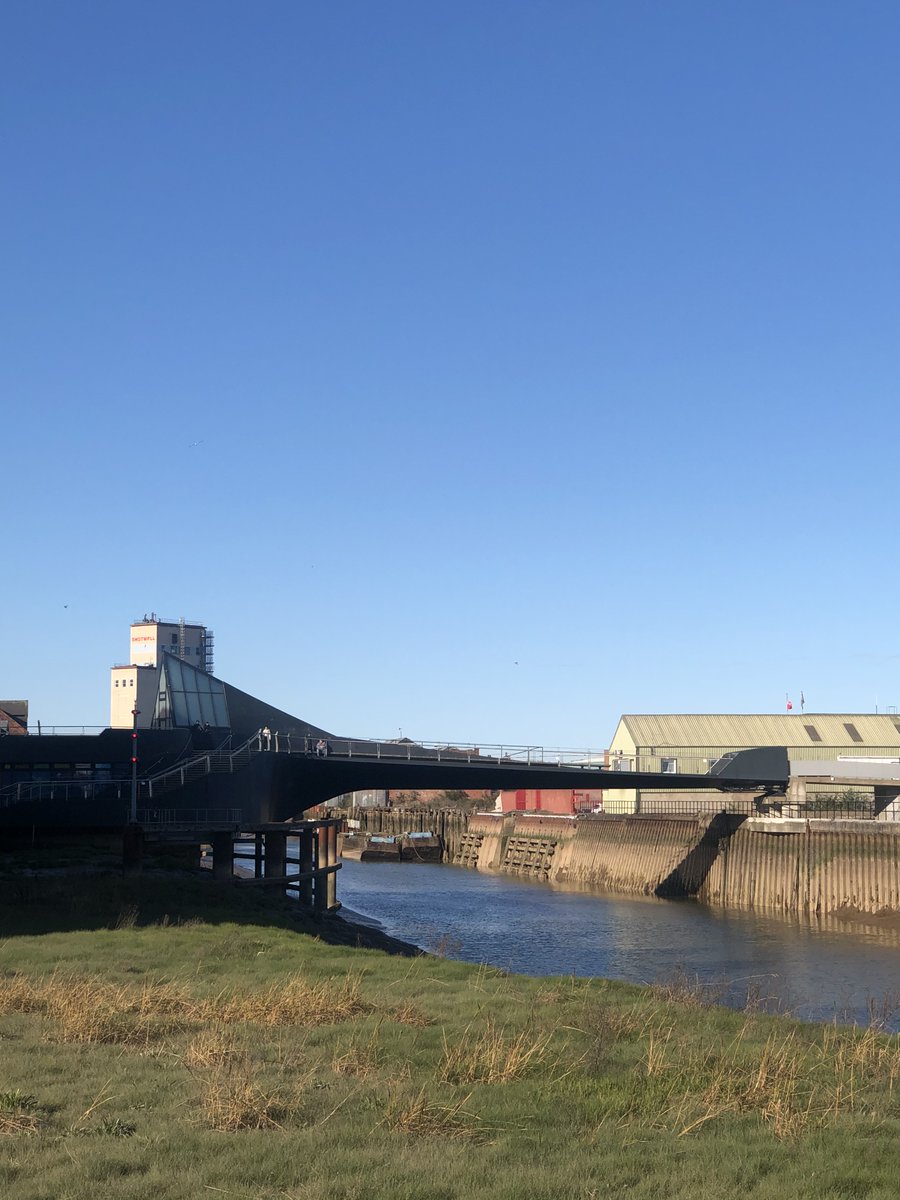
(815, 970)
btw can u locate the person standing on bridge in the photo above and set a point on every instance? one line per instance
(265, 738)
(321, 748)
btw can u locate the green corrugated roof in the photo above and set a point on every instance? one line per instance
(761, 729)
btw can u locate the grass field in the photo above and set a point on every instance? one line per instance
(174, 1039)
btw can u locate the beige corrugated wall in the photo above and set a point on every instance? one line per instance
(627, 854)
(820, 867)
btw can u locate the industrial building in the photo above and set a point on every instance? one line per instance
(559, 801)
(145, 682)
(691, 743)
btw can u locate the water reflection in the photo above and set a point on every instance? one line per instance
(816, 969)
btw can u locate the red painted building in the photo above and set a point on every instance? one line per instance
(562, 801)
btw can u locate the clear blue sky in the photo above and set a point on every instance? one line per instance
(477, 369)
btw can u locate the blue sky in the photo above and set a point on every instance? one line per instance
(475, 370)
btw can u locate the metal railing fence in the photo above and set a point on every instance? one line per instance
(190, 818)
(822, 807)
(41, 730)
(287, 743)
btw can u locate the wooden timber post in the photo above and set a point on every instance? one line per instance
(223, 856)
(307, 865)
(320, 898)
(276, 853)
(331, 861)
(258, 855)
(325, 898)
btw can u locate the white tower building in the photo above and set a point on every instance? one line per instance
(136, 685)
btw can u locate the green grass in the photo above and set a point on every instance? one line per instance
(176, 1039)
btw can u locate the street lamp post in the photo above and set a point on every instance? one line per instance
(135, 713)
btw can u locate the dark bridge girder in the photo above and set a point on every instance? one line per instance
(301, 781)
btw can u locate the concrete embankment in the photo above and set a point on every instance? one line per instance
(791, 866)
(654, 855)
(813, 867)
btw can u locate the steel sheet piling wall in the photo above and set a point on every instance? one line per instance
(815, 868)
(632, 854)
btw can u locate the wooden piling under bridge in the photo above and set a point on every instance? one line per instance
(256, 857)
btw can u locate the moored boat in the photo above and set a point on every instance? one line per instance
(421, 847)
(370, 847)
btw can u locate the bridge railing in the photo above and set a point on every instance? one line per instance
(68, 791)
(189, 818)
(222, 761)
(60, 730)
(469, 752)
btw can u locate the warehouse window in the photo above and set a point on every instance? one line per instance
(814, 735)
(669, 765)
(855, 735)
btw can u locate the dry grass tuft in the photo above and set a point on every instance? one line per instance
(791, 1085)
(17, 1114)
(85, 1010)
(409, 1014)
(213, 1047)
(424, 1118)
(492, 1057)
(295, 1002)
(90, 1011)
(232, 1099)
(360, 1061)
(688, 991)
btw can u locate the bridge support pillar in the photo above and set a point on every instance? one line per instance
(796, 793)
(276, 853)
(223, 856)
(258, 856)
